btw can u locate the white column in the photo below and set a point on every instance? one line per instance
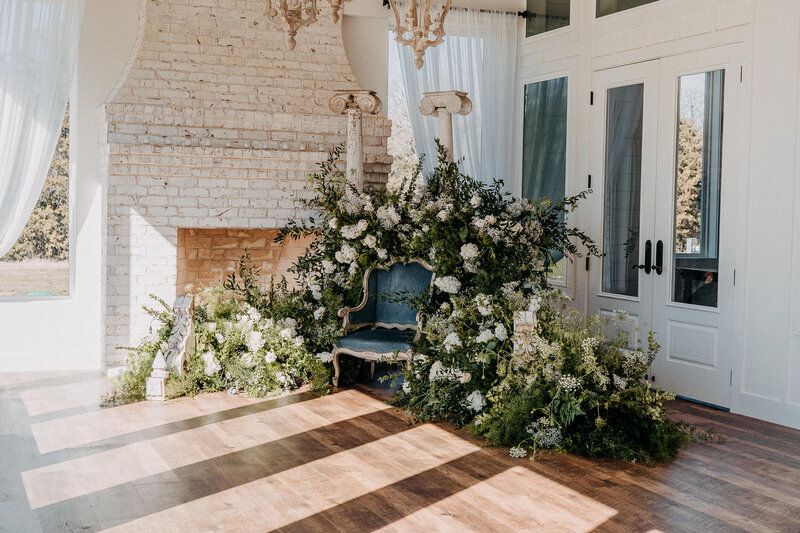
(354, 104)
(445, 104)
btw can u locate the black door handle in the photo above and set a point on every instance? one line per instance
(648, 251)
(659, 266)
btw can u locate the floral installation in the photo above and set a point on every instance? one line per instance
(565, 387)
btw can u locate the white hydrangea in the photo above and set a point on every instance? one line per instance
(371, 241)
(212, 366)
(485, 336)
(354, 231)
(328, 266)
(220, 338)
(347, 254)
(325, 357)
(490, 220)
(442, 215)
(287, 333)
(249, 360)
(448, 284)
(469, 251)
(452, 341)
(500, 332)
(475, 201)
(353, 269)
(270, 357)
(211, 327)
(382, 253)
(316, 291)
(388, 216)
(255, 341)
(319, 313)
(475, 401)
(484, 304)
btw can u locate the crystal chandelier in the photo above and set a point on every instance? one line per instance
(293, 15)
(418, 30)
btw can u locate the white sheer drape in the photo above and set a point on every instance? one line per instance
(479, 56)
(38, 48)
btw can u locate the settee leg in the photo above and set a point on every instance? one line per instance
(335, 369)
(372, 370)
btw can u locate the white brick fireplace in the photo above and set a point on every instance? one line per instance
(216, 125)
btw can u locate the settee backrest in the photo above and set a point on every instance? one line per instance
(399, 278)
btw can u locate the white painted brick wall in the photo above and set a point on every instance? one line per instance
(195, 138)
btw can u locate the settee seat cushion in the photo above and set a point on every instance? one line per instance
(377, 340)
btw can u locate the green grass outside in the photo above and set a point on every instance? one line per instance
(18, 278)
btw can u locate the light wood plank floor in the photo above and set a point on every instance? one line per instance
(348, 462)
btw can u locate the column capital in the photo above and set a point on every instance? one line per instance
(453, 102)
(356, 100)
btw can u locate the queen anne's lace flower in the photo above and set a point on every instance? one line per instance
(371, 241)
(325, 357)
(270, 357)
(619, 382)
(448, 284)
(517, 452)
(328, 266)
(475, 401)
(569, 383)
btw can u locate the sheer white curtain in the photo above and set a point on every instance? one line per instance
(38, 48)
(479, 56)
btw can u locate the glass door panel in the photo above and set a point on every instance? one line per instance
(697, 188)
(623, 181)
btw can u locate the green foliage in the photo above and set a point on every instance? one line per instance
(46, 235)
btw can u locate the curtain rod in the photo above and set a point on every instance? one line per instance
(524, 14)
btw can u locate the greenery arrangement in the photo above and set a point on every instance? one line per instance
(562, 386)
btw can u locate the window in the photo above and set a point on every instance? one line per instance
(697, 187)
(546, 15)
(544, 151)
(609, 7)
(38, 263)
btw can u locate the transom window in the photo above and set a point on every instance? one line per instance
(609, 7)
(546, 15)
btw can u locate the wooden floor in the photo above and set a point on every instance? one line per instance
(348, 462)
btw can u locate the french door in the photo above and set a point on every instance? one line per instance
(664, 153)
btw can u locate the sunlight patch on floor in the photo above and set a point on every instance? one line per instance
(518, 499)
(84, 475)
(306, 490)
(62, 397)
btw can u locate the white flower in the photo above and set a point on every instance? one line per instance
(475, 201)
(354, 231)
(333, 223)
(371, 241)
(448, 284)
(288, 322)
(485, 336)
(270, 357)
(425, 228)
(476, 401)
(353, 269)
(490, 220)
(469, 251)
(535, 304)
(444, 307)
(255, 341)
(253, 313)
(435, 371)
(319, 313)
(518, 452)
(328, 266)
(325, 357)
(484, 304)
(442, 215)
(212, 366)
(298, 341)
(464, 377)
(569, 383)
(382, 253)
(287, 333)
(406, 387)
(211, 327)
(347, 254)
(220, 338)
(619, 382)
(500, 332)
(452, 341)
(388, 216)
(249, 360)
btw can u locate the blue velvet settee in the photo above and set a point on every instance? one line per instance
(380, 328)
